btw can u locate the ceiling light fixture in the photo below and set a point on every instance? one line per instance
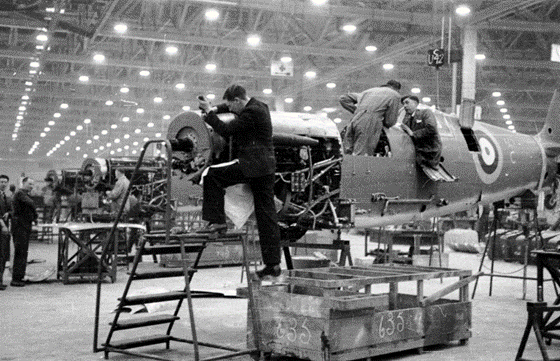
(99, 58)
(253, 40)
(310, 74)
(349, 28)
(371, 48)
(171, 49)
(462, 10)
(212, 14)
(120, 28)
(144, 73)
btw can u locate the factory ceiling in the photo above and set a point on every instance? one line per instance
(85, 78)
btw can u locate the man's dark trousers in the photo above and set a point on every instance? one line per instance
(219, 178)
(21, 234)
(4, 252)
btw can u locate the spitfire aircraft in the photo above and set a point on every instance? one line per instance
(319, 187)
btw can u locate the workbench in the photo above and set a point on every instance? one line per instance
(346, 313)
(80, 246)
(414, 237)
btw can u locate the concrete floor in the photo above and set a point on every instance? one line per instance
(52, 321)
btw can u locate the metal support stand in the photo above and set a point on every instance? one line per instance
(338, 244)
(491, 245)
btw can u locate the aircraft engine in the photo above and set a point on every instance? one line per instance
(308, 153)
(97, 175)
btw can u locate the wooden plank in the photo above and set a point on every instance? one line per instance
(445, 291)
(376, 350)
(359, 301)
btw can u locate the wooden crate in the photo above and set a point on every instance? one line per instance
(313, 317)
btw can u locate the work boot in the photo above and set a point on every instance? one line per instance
(269, 270)
(220, 228)
(16, 283)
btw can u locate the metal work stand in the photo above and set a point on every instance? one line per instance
(491, 244)
(183, 244)
(338, 244)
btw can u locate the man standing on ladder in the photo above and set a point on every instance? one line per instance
(251, 131)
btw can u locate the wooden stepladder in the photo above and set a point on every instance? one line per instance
(157, 244)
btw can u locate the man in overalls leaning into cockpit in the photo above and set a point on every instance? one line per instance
(373, 109)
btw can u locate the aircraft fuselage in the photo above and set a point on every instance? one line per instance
(505, 165)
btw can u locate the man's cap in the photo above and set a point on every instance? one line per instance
(413, 97)
(393, 83)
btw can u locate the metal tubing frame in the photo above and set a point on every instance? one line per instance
(114, 228)
(254, 311)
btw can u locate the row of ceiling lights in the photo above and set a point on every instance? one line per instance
(504, 111)
(253, 40)
(34, 67)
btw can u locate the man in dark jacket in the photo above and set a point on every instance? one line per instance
(422, 126)
(252, 135)
(5, 208)
(373, 109)
(24, 214)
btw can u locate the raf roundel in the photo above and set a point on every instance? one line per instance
(489, 161)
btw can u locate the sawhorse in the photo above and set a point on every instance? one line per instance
(338, 244)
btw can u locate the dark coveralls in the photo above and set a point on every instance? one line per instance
(425, 136)
(23, 217)
(252, 136)
(5, 207)
(372, 109)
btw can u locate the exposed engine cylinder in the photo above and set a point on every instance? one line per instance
(308, 156)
